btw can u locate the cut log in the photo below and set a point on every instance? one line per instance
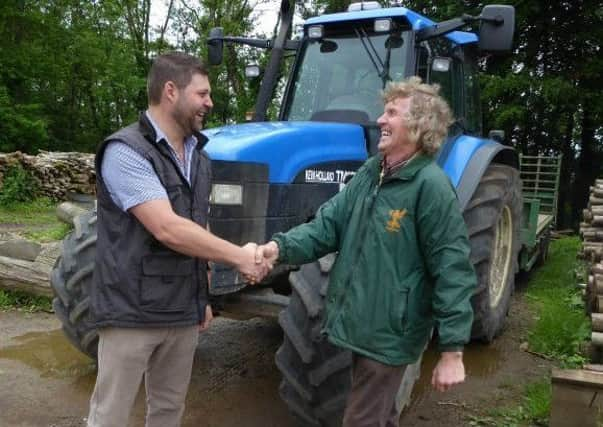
(594, 367)
(592, 236)
(597, 322)
(595, 201)
(26, 276)
(597, 338)
(66, 211)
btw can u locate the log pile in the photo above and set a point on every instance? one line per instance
(58, 174)
(591, 231)
(593, 297)
(591, 228)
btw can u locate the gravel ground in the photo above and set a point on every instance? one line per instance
(44, 381)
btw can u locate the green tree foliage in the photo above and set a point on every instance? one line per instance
(234, 95)
(546, 96)
(73, 71)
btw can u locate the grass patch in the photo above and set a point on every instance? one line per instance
(532, 411)
(23, 301)
(55, 232)
(37, 212)
(561, 326)
(38, 218)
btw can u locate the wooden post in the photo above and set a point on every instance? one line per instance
(577, 398)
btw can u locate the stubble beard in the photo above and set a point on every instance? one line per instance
(188, 120)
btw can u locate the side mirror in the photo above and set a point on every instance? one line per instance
(328, 46)
(497, 28)
(215, 45)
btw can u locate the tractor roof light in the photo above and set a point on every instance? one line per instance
(382, 25)
(441, 64)
(315, 32)
(363, 5)
(252, 70)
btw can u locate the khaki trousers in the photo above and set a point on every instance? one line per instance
(372, 399)
(162, 356)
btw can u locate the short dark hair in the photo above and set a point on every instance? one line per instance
(177, 67)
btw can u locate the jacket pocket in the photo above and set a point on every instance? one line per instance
(166, 284)
(400, 310)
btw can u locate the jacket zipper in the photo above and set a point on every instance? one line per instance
(373, 196)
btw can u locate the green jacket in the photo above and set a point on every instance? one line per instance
(403, 264)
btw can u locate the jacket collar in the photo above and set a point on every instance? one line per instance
(408, 171)
(148, 131)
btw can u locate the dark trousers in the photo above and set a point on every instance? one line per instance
(372, 399)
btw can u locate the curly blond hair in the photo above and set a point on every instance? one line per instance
(429, 115)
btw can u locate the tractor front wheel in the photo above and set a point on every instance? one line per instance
(70, 281)
(317, 374)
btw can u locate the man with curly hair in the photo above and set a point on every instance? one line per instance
(403, 265)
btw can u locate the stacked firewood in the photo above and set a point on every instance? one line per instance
(57, 173)
(594, 307)
(591, 231)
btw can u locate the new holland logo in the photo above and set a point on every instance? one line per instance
(395, 216)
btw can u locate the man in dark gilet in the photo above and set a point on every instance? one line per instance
(149, 297)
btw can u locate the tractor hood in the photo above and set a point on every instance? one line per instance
(287, 147)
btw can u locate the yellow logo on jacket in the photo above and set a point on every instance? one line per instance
(395, 216)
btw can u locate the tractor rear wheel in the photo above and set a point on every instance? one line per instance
(317, 374)
(71, 279)
(493, 217)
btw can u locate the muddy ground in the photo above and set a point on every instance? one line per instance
(45, 382)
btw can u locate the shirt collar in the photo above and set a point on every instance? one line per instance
(159, 134)
(392, 169)
(407, 170)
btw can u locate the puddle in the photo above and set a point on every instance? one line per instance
(51, 354)
(481, 360)
(234, 381)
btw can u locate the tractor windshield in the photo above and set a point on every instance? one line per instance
(345, 73)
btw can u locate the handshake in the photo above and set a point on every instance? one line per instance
(257, 261)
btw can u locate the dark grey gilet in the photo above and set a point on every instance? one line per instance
(138, 281)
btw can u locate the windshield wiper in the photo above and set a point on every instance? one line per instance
(362, 36)
(382, 67)
(385, 72)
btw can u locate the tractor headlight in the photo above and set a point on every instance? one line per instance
(226, 194)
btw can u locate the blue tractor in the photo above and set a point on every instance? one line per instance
(269, 176)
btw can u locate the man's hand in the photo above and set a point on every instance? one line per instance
(209, 316)
(449, 371)
(268, 252)
(253, 271)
